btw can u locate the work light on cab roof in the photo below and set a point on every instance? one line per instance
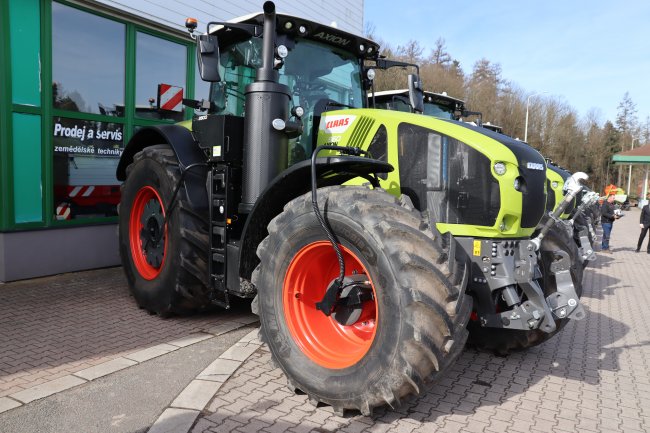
(191, 24)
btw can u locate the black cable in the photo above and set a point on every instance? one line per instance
(173, 201)
(314, 201)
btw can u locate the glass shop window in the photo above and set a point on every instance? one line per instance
(160, 79)
(86, 154)
(88, 55)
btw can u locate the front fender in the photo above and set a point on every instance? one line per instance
(187, 151)
(179, 138)
(292, 183)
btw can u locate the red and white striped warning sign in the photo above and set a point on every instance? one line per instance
(81, 191)
(170, 97)
(63, 211)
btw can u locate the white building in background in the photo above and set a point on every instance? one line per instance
(348, 15)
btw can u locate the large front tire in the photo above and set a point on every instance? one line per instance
(164, 253)
(412, 328)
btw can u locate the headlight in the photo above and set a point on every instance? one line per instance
(282, 51)
(554, 184)
(370, 73)
(500, 168)
(298, 111)
(519, 184)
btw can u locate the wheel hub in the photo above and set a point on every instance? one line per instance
(345, 302)
(152, 233)
(340, 332)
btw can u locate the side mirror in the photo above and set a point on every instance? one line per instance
(207, 54)
(416, 94)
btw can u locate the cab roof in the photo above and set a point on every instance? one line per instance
(437, 96)
(291, 26)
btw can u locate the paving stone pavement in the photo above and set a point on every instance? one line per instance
(592, 377)
(75, 323)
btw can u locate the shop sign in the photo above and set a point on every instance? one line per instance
(87, 137)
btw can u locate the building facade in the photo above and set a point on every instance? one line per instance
(77, 79)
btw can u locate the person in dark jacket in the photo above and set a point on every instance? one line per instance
(644, 223)
(607, 217)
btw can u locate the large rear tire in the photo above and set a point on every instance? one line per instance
(165, 262)
(505, 341)
(413, 328)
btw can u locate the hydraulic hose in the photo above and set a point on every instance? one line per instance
(314, 201)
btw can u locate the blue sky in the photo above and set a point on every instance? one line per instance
(588, 53)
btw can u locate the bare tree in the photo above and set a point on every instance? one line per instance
(626, 122)
(439, 54)
(411, 52)
(645, 131)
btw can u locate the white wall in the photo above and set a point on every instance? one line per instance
(348, 14)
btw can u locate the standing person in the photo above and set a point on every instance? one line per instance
(607, 217)
(644, 223)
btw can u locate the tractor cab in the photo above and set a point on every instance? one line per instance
(435, 104)
(322, 67)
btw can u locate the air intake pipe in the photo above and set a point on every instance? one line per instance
(267, 110)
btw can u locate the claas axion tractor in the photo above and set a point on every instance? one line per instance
(355, 231)
(580, 217)
(507, 284)
(434, 104)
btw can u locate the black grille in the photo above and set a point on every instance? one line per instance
(533, 200)
(550, 197)
(473, 191)
(448, 178)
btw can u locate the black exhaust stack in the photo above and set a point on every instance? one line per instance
(265, 146)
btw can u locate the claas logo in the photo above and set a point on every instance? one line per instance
(336, 124)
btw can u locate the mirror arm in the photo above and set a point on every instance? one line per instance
(386, 64)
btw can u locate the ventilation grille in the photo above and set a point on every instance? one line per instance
(361, 130)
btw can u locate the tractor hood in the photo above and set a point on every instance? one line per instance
(511, 202)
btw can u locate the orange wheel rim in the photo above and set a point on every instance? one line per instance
(321, 338)
(148, 233)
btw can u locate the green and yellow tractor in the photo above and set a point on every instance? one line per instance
(354, 230)
(495, 297)
(435, 104)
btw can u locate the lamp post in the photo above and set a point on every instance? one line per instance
(629, 174)
(527, 105)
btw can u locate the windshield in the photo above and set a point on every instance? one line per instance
(319, 77)
(436, 110)
(396, 103)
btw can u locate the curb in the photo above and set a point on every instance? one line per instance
(180, 415)
(72, 380)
